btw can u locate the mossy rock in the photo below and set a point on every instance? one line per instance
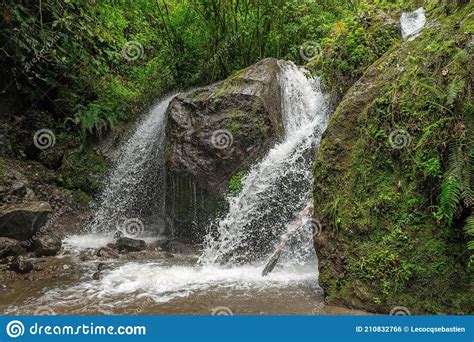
(378, 175)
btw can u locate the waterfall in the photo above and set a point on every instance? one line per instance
(134, 189)
(275, 191)
(278, 187)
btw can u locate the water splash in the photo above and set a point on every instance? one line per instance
(412, 23)
(135, 186)
(278, 187)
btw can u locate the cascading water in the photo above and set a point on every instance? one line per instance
(135, 187)
(274, 193)
(278, 188)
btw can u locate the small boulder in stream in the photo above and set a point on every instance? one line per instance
(21, 221)
(125, 244)
(46, 244)
(106, 252)
(10, 247)
(20, 265)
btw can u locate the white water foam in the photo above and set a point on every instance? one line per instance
(163, 284)
(412, 23)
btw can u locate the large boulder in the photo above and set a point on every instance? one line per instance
(212, 133)
(21, 221)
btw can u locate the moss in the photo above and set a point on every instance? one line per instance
(234, 120)
(390, 243)
(235, 183)
(81, 170)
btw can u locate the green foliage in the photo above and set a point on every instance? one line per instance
(353, 44)
(456, 188)
(235, 183)
(80, 171)
(76, 52)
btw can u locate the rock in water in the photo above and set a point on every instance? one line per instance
(126, 244)
(412, 23)
(106, 252)
(47, 244)
(214, 132)
(21, 221)
(10, 247)
(176, 247)
(20, 265)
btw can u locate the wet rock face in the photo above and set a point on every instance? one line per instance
(214, 132)
(21, 221)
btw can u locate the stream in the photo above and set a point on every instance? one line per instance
(224, 276)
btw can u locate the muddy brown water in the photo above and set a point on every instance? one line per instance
(154, 283)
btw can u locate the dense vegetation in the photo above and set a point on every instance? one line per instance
(92, 64)
(82, 68)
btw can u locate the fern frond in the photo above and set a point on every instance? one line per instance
(470, 225)
(454, 89)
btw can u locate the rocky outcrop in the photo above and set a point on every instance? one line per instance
(212, 133)
(377, 180)
(21, 221)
